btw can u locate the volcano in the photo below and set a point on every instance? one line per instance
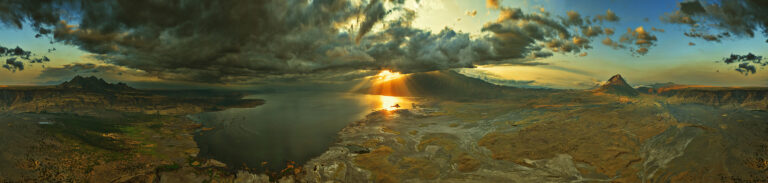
(617, 86)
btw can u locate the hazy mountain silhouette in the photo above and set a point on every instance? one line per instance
(94, 84)
(441, 84)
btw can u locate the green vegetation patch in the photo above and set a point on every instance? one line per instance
(168, 168)
(89, 130)
(104, 133)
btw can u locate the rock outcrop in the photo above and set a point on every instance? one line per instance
(752, 97)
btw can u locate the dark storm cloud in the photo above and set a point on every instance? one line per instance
(609, 16)
(592, 31)
(15, 52)
(538, 23)
(14, 56)
(407, 49)
(516, 33)
(542, 54)
(708, 37)
(496, 79)
(742, 18)
(12, 64)
(573, 18)
(613, 44)
(213, 41)
(638, 40)
(746, 68)
(747, 64)
(609, 31)
(515, 38)
(691, 8)
(238, 40)
(373, 13)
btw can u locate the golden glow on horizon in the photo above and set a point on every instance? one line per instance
(389, 83)
(544, 76)
(387, 75)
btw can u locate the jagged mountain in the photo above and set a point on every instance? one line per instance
(617, 86)
(94, 84)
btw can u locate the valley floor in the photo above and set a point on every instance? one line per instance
(528, 136)
(568, 136)
(118, 147)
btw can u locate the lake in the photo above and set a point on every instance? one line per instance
(288, 127)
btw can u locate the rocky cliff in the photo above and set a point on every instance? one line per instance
(752, 97)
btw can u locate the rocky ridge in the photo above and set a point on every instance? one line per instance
(749, 97)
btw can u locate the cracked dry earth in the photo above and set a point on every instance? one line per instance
(566, 136)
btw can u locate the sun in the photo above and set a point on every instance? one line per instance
(388, 83)
(387, 75)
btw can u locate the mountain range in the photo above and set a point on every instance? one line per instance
(94, 84)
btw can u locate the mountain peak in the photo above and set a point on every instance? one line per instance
(92, 83)
(616, 80)
(618, 86)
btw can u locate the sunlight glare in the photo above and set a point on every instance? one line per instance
(387, 75)
(389, 103)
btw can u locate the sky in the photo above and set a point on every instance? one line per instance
(251, 43)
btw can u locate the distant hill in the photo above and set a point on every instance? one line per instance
(652, 87)
(94, 95)
(617, 86)
(93, 84)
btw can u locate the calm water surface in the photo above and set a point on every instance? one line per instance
(288, 127)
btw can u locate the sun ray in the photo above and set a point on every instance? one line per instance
(387, 75)
(389, 83)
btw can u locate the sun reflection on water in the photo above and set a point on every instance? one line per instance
(389, 103)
